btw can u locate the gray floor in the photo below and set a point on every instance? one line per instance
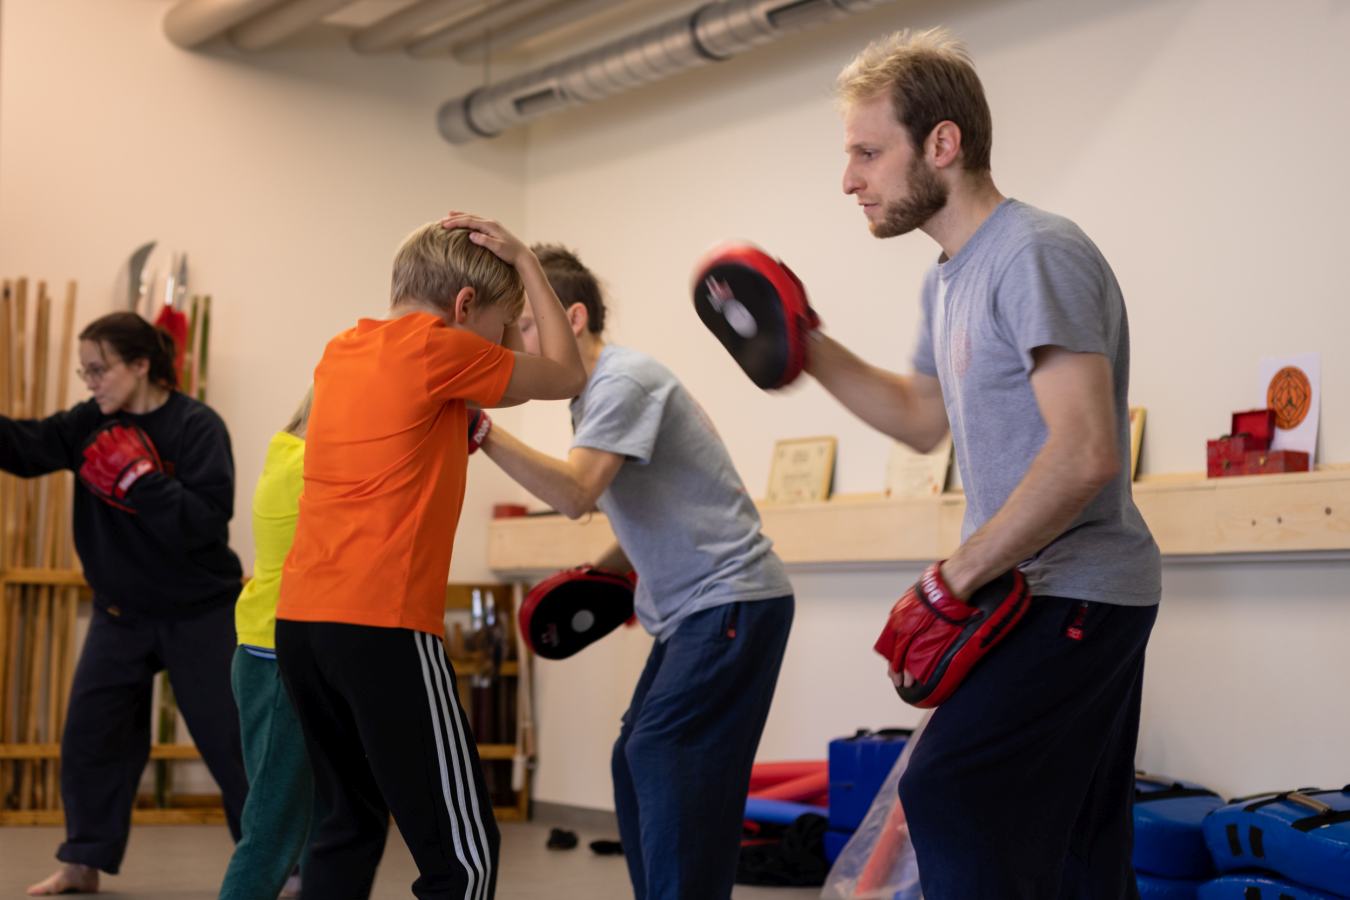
(186, 862)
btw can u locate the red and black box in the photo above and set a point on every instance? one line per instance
(1246, 450)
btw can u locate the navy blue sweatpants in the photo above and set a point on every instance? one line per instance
(106, 741)
(682, 762)
(1021, 786)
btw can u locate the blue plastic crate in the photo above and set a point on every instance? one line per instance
(858, 766)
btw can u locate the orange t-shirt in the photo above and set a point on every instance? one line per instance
(385, 462)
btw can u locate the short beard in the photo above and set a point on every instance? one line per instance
(927, 196)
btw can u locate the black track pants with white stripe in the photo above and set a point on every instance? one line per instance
(385, 733)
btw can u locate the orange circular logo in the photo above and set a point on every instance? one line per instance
(1290, 395)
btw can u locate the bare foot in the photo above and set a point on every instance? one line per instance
(71, 878)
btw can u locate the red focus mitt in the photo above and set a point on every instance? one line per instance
(480, 424)
(115, 458)
(937, 639)
(757, 308)
(568, 612)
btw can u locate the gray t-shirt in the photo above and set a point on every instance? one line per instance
(1029, 279)
(677, 505)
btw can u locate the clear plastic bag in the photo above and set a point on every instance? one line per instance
(878, 862)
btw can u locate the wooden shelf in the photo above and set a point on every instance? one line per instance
(497, 751)
(53, 751)
(55, 817)
(55, 577)
(1189, 515)
(509, 669)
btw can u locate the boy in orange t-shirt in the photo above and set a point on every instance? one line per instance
(362, 594)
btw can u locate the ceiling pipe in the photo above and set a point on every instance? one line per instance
(559, 15)
(715, 32)
(487, 20)
(396, 30)
(281, 22)
(191, 23)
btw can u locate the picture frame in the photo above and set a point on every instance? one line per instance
(911, 474)
(1137, 414)
(802, 470)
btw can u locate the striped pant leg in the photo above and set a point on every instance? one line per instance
(425, 760)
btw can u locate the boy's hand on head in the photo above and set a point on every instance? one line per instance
(489, 234)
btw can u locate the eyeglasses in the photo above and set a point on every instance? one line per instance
(95, 372)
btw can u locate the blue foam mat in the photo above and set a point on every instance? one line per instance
(1259, 886)
(1169, 840)
(1303, 838)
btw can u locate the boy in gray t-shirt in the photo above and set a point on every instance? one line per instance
(1021, 785)
(677, 506)
(710, 590)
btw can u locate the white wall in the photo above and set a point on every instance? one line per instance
(1201, 145)
(289, 177)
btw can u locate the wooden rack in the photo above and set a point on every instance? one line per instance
(39, 594)
(513, 749)
(205, 808)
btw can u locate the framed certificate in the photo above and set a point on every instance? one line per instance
(802, 470)
(911, 474)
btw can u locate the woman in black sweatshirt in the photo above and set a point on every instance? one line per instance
(153, 501)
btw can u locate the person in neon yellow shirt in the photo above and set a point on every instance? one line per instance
(279, 807)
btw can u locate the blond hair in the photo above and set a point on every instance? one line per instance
(930, 78)
(435, 263)
(300, 418)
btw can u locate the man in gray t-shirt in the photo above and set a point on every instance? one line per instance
(710, 590)
(1027, 280)
(1020, 787)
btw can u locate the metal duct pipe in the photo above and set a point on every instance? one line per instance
(191, 23)
(503, 12)
(559, 15)
(281, 22)
(397, 29)
(715, 32)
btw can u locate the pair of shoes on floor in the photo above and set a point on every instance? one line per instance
(562, 839)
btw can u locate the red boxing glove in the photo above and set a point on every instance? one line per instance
(480, 424)
(937, 639)
(115, 458)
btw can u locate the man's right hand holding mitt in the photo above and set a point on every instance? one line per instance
(933, 638)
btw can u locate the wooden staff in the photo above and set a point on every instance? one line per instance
(34, 606)
(7, 631)
(18, 407)
(18, 386)
(58, 557)
(44, 522)
(203, 349)
(70, 596)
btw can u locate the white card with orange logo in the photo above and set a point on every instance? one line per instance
(1292, 386)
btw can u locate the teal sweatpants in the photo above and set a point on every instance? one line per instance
(280, 783)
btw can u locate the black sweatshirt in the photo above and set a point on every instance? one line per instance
(171, 557)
